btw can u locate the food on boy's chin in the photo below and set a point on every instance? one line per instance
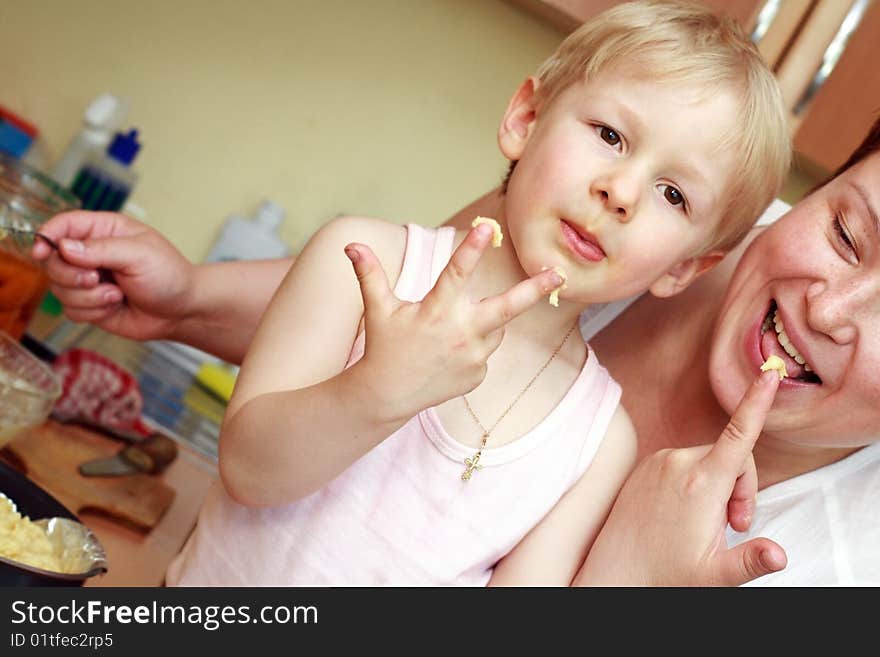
(775, 363)
(24, 541)
(554, 295)
(496, 229)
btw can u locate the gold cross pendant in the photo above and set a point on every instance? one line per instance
(473, 464)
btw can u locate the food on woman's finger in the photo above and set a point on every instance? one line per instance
(775, 363)
(496, 229)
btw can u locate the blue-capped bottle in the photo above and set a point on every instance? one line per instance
(106, 180)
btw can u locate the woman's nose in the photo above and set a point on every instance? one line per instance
(838, 311)
(618, 191)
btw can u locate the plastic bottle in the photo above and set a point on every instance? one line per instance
(251, 239)
(105, 180)
(102, 117)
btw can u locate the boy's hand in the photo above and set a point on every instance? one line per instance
(667, 526)
(429, 352)
(151, 278)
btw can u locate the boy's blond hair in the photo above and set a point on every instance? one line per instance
(682, 42)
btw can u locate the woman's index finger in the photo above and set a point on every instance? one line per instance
(738, 439)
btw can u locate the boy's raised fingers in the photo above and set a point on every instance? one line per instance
(728, 455)
(461, 265)
(375, 290)
(497, 311)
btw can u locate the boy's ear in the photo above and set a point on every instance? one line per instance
(518, 120)
(684, 273)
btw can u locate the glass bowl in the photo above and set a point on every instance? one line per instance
(31, 194)
(28, 197)
(28, 389)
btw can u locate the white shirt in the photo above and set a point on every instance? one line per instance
(827, 520)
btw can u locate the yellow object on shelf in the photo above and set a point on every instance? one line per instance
(218, 378)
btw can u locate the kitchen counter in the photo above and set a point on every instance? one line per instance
(138, 559)
(175, 405)
(141, 520)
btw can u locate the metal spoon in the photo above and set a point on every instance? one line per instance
(25, 236)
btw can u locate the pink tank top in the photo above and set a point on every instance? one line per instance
(401, 515)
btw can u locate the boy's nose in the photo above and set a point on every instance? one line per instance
(618, 193)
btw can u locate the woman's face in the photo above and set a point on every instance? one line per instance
(808, 290)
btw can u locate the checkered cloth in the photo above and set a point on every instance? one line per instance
(97, 390)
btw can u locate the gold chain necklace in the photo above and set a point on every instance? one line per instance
(472, 464)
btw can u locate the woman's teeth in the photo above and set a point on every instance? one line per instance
(785, 342)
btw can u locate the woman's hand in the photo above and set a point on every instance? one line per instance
(151, 280)
(429, 352)
(667, 526)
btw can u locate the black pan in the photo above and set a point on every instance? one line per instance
(36, 503)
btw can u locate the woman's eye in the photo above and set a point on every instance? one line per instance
(843, 236)
(673, 196)
(609, 136)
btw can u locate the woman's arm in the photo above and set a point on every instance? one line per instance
(227, 301)
(155, 292)
(552, 552)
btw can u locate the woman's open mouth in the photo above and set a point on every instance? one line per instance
(776, 342)
(583, 244)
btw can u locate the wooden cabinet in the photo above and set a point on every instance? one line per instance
(838, 117)
(828, 121)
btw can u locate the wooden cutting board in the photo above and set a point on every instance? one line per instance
(50, 455)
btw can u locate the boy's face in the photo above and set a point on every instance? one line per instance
(620, 182)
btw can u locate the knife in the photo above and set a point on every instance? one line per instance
(150, 455)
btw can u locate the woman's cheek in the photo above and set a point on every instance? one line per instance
(728, 388)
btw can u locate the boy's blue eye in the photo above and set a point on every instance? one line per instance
(672, 195)
(609, 136)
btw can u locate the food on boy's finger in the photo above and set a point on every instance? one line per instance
(554, 295)
(496, 229)
(775, 363)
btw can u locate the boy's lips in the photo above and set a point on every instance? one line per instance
(582, 243)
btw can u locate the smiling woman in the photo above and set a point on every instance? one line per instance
(816, 271)
(815, 274)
